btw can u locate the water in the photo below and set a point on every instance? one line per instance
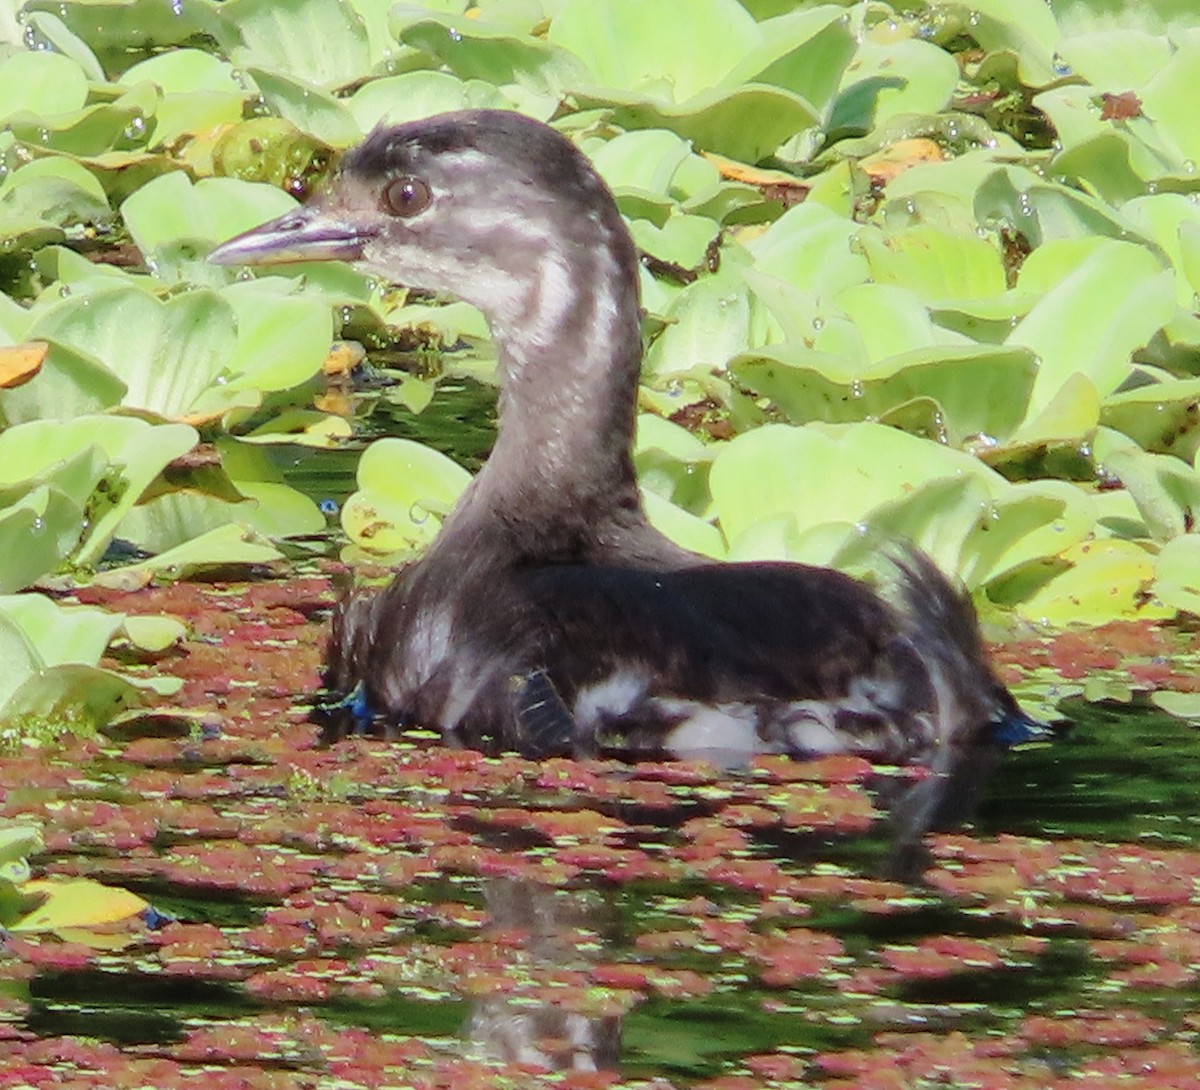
(1125, 773)
(427, 910)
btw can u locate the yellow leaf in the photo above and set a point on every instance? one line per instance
(343, 357)
(20, 362)
(895, 159)
(1109, 581)
(76, 902)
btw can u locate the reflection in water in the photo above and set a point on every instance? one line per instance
(555, 930)
(530, 1027)
(939, 802)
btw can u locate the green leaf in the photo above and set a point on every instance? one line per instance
(115, 31)
(1172, 222)
(326, 40)
(643, 162)
(936, 263)
(94, 130)
(270, 507)
(133, 454)
(683, 240)
(821, 492)
(1166, 491)
(1108, 581)
(805, 52)
(71, 692)
(36, 534)
(182, 71)
(748, 124)
(414, 95)
(1092, 320)
(170, 208)
(1016, 200)
(1177, 574)
(1106, 165)
(1071, 415)
(1167, 97)
(979, 391)
(709, 322)
(44, 29)
(21, 660)
(69, 384)
(153, 633)
(308, 107)
(44, 84)
(810, 247)
(812, 475)
(282, 341)
(404, 491)
(1180, 705)
(62, 634)
(16, 842)
(199, 91)
(1116, 57)
(1160, 416)
(166, 353)
(492, 55)
(683, 527)
(883, 81)
(56, 190)
(224, 547)
(672, 49)
(672, 463)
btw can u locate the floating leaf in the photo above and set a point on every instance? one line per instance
(1091, 321)
(683, 527)
(308, 107)
(170, 210)
(1181, 705)
(153, 634)
(78, 902)
(883, 81)
(71, 694)
(936, 263)
(61, 634)
(415, 95)
(1166, 490)
(167, 353)
(977, 391)
(814, 494)
(326, 40)
(67, 384)
(1177, 574)
(40, 83)
(101, 463)
(404, 491)
(1108, 580)
(19, 363)
(223, 547)
(56, 190)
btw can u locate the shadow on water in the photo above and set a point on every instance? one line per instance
(459, 421)
(1123, 772)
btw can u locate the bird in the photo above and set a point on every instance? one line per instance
(549, 616)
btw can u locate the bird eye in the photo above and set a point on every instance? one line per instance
(406, 196)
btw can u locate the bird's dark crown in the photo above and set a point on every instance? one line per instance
(511, 144)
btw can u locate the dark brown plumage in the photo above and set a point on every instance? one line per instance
(549, 616)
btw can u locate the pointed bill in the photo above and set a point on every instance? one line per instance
(308, 233)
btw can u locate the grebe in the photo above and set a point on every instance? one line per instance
(549, 616)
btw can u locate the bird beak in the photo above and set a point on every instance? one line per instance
(308, 233)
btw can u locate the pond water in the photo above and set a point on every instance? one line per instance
(379, 915)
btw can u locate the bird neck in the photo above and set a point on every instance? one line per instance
(561, 474)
